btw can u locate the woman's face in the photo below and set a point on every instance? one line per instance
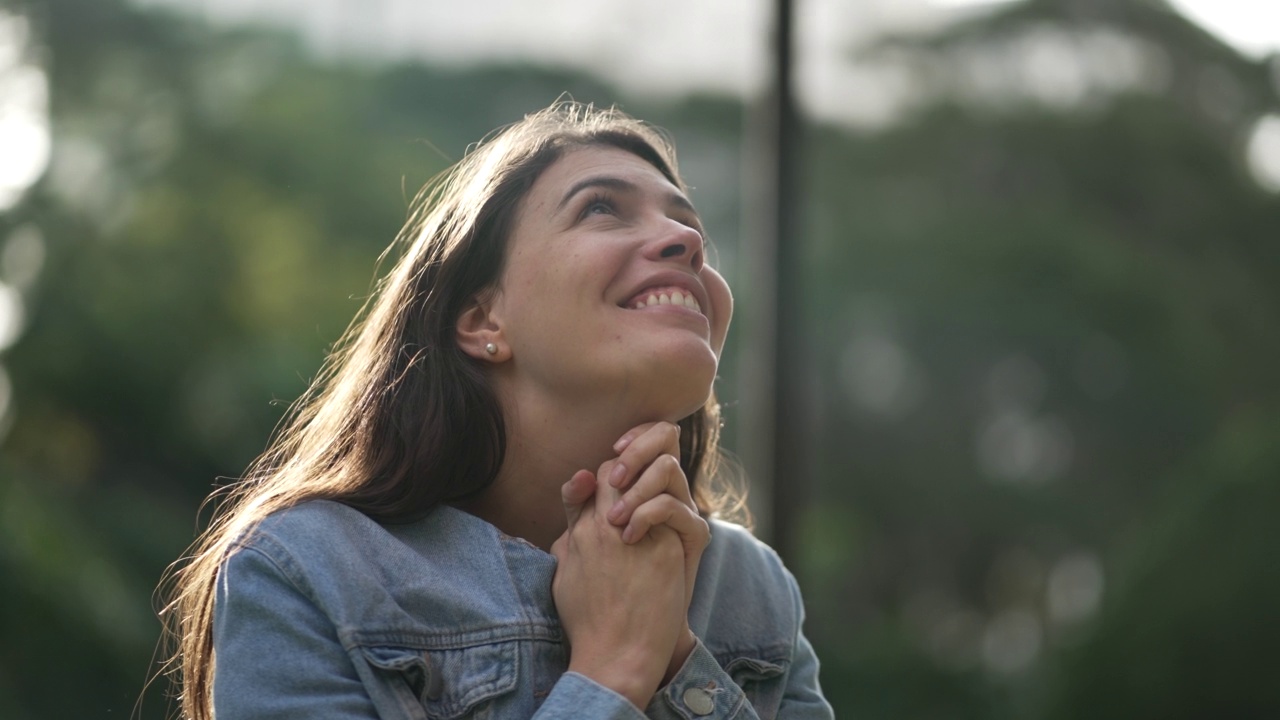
(606, 294)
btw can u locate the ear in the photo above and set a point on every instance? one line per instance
(478, 333)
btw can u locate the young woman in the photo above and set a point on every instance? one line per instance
(494, 502)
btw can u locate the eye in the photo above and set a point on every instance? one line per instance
(599, 205)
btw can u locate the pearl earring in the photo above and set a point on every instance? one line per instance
(491, 348)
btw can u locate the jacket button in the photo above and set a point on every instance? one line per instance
(699, 701)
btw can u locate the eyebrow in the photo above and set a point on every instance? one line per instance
(616, 183)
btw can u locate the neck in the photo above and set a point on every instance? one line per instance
(546, 444)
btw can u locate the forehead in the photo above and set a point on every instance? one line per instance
(585, 164)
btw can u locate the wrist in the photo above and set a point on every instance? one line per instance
(684, 648)
(635, 681)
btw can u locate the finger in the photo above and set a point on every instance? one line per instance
(660, 438)
(575, 493)
(665, 510)
(630, 435)
(663, 476)
(606, 495)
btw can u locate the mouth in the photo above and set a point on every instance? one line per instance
(658, 296)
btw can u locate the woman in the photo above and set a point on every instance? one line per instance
(493, 501)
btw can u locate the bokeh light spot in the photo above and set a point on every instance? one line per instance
(24, 113)
(1011, 642)
(1263, 152)
(22, 257)
(1074, 590)
(11, 315)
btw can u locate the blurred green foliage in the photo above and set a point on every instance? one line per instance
(1043, 335)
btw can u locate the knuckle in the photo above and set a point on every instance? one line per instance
(703, 533)
(670, 463)
(651, 481)
(657, 507)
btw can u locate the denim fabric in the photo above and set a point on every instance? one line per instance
(324, 613)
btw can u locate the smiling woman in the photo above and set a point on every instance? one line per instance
(494, 501)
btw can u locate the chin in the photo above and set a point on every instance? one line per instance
(672, 411)
(682, 397)
(686, 412)
(669, 380)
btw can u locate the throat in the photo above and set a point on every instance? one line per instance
(532, 519)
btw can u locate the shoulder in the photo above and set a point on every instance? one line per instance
(419, 577)
(744, 594)
(739, 557)
(314, 524)
(307, 533)
(306, 542)
(323, 536)
(746, 607)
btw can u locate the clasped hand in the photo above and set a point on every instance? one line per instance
(627, 564)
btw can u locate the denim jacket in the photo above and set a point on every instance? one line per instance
(324, 613)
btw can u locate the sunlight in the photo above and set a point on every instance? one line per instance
(11, 315)
(1263, 152)
(976, 4)
(1250, 26)
(24, 114)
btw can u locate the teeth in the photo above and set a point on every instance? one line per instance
(674, 297)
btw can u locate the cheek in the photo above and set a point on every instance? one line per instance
(721, 304)
(527, 283)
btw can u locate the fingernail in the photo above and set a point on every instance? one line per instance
(622, 443)
(617, 474)
(626, 535)
(616, 510)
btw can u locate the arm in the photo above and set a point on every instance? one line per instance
(578, 697)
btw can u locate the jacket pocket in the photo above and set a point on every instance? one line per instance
(444, 684)
(762, 681)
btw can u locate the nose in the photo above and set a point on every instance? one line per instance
(679, 242)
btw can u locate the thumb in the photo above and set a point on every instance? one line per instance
(575, 493)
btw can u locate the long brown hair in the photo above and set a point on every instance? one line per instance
(400, 420)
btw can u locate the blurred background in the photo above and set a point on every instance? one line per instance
(1039, 249)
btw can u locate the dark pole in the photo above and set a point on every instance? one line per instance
(790, 476)
(771, 431)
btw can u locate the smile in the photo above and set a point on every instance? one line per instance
(665, 296)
